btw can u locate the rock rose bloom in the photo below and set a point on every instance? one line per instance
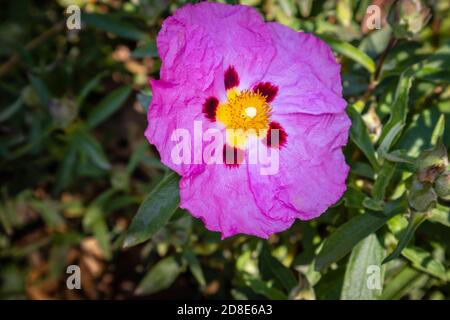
(224, 66)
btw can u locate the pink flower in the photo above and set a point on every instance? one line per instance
(224, 66)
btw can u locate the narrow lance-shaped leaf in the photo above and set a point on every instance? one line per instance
(155, 211)
(364, 274)
(401, 283)
(88, 87)
(194, 266)
(136, 157)
(342, 241)
(384, 147)
(440, 214)
(399, 108)
(415, 221)
(263, 288)
(360, 136)
(277, 269)
(95, 220)
(67, 168)
(108, 106)
(109, 23)
(93, 150)
(41, 90)
(438, 130)
(424, 261)
(9, 111)
(382, 181)
(351, 52)
(160, 277)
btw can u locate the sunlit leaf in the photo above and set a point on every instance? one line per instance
(424, 261)
(155, 211)
(415, 221)
(159, 277)
(351, 52)
(108, 106)
(342, 240)
(360, 136)
(364, 263)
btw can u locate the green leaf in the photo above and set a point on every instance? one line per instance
(93, 150)
(438, 131)
(41, 90)
(373, 204)
(136, 157)
(434, 67)
(440, 214)
(94, 220)
(399, 156)
(415, 221)
(351, 52)
(9, 111)
(354, 198)
(110, 24)
(399, 108)
(263, 288)
(67, 168)
(401, 284)
(194, 266)
(108, 106)
(160, 277)
(382, 181)
(360, 136)
(424, 261)
(369, 253)
(305, 7)
(342, 241)
(277, 269)
(155, 211)
(390, 137)
(88, 87)
(49, 211)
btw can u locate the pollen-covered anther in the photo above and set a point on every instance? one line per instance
(245, 113)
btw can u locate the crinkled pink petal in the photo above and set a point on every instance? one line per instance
(306, 72)
(171, 109)
(222, 198)
(239, 36)
(312, 168)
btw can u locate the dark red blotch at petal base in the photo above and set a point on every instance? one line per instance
(235, 156)
(266, 89)
(231, 78)
(282, 136)
(210, 107)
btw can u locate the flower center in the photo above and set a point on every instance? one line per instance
(245, 113)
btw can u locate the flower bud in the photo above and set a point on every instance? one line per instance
(431, 163)
(30, 96)
(442, 186)
(63, 111)
(421, 196)
(409, 17)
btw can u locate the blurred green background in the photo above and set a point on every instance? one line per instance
(75, 167)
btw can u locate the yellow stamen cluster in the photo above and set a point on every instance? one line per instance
(245, 113)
